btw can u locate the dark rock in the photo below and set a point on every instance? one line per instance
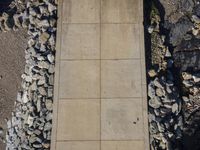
(172, 10)
(170, 63)
(1, 131)
(188, 45)
(153, 128)
(179, 30)
(197, 10)
(186, 6)
(187, 60)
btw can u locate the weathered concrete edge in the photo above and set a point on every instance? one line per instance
(144, 79)
(56, 76)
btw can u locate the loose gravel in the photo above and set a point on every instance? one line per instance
(174, 75)
(31, 123)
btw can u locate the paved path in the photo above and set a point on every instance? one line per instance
(100, 86)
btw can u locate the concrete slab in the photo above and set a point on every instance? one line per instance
(120, 79)
(121, 11)
(122, 145)
(120, 41)
(79, 120)
(81, 41)
(121, 119)
(81, 11)
(80, 79)
(79, 145)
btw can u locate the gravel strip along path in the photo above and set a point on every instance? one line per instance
(165, 120)
(31, 123)
(174, 75)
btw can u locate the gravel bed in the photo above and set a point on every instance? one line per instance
(174, 75)
(31, 123)
(165, 121)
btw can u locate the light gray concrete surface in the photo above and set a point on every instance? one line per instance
(100, 100)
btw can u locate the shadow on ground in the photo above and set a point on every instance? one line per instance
(4, 5)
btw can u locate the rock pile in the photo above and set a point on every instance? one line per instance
(191, 94)
(185, 37)
(184, 33)
(164, 113)
(165, 121)
(191, 107)
(14, 17)
(31, 123)
(177, 72)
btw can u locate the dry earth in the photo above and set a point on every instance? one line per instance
(12, 62)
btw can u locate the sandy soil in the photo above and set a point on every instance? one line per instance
(12, 62)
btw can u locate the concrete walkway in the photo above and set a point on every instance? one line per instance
(100, 83)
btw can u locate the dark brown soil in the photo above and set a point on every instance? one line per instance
(12, 62)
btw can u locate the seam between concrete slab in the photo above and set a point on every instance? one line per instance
(134, 23)
(100, 98)
(101, 59)
(97, 140)
(100, 72)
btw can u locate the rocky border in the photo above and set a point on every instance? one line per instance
(31, 123)
(174, 74)
(165, 119)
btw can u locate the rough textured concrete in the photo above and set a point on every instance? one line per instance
(12, 64)
(100, 86)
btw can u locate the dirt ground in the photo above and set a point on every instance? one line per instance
(12, 62)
